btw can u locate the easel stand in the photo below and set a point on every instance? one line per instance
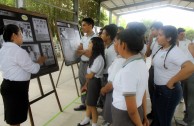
(74, 77)
(42, 96)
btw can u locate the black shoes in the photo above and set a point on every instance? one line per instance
(84, 124)
(80, 108)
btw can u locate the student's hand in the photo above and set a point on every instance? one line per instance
(89, 76)
(41, 60)
(79, 52)
(150, 38)
(87, 53)
(146, 121)
(103, 91)
(170, 84)
(84, 88)
(80, 47)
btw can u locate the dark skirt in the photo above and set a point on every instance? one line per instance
(15, 99)
(107, 114)
(121, 117)
(93, 91)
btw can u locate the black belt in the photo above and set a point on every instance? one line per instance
(105, 75)
(85, 61)
(8, 81)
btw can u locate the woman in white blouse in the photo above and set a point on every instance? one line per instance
(170, 67)
(129, 94)
(16, 67)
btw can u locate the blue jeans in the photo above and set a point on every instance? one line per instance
(165, 102)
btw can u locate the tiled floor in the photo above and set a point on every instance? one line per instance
(46, 111)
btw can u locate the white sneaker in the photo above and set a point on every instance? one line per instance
(182, 100)
(181, 122)
(105, 124)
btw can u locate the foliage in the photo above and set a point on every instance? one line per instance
(122, 22)
(189, 33)
(8, 2)
(53, 14)
(87, 8)
(103, 17)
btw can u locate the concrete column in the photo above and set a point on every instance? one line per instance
(98, 13)
(117, 21)
(110, 17)
(19, 3)
(76, 10)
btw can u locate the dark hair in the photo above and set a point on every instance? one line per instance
(133, 36)
(157, 25)
(137, 27)
(99, 34)
(120, 28)
(111, 30)
(89, 21)
(97, 49)
(169, 32)
(8, 30)
(180, 30)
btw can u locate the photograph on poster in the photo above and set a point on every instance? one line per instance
(70, 40)
(96, 29)
(41, 29)
(48, 53)
(33, 51)
(25, 28)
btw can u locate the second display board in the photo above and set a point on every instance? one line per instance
(70, 40)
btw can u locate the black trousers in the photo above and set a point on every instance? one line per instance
(151, 86)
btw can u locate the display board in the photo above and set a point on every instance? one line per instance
(70, 39)
(96, 29)
(37, 39)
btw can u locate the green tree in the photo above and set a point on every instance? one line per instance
(189, 33)
(11, 3)
(103, 17)
(89, 8)
(122, 22)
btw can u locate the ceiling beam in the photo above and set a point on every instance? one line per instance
(176, 7)
(189, 0)
(141, 10)
(136, 4)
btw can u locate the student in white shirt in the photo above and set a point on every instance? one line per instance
(152, 48)
(93, 83)
(170, 67)
(108, 34)
(108, 88)
(188, 87)
(87, 27)
(16, 67)
(129, 94)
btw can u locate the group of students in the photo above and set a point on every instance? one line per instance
(124, 75)
(112, 69)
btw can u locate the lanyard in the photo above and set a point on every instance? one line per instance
(109, 45)
(131, 59)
